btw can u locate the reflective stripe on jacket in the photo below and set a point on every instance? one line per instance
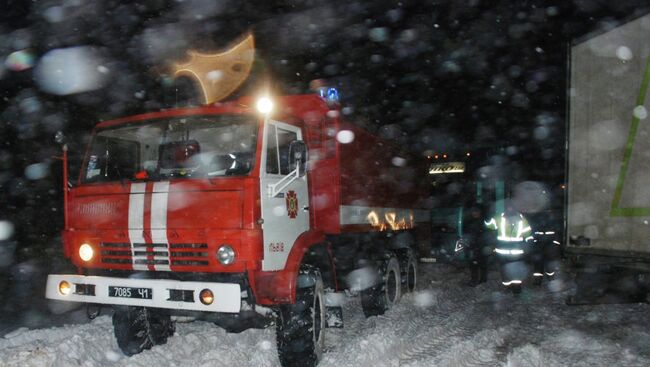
(510, 229)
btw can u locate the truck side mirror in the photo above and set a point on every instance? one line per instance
(298, 154)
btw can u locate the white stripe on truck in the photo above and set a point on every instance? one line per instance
(159, 219)
(136, 219)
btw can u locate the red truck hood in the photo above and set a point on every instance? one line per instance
(156, 205)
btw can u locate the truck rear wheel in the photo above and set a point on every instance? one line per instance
(300, 328)
(379, 298)
(140, 328)
(409, 267)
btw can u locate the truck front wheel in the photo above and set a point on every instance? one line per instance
(300, 328)
(140, 328)
(382, 296)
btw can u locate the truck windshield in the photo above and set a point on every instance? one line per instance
(179, 147)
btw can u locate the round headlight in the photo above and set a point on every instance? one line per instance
(64, 288)
(226, 255)
(86, 252)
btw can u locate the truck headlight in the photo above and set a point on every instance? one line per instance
(226, 255)
(86, 252)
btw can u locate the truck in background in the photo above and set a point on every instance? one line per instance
(471, 191)
(236, 214)
(608, 199)
(458, 183)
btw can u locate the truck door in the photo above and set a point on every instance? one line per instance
(285, 195)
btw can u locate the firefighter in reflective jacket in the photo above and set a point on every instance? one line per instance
(513, 242)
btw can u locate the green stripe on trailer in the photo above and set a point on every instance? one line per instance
(615, 210)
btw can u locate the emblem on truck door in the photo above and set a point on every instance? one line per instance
(292, 204)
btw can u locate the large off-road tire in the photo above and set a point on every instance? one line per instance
(300, 328)
(384, 295)
(140, 328)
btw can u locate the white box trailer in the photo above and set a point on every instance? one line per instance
(608, 199)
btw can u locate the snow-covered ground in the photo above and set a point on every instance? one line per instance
(444, 324)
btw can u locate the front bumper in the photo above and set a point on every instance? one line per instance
(164, 292)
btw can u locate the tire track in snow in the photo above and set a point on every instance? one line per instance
(461, 314)
(453, 326)
(445, 329)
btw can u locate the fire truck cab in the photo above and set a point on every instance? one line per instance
(236, 214)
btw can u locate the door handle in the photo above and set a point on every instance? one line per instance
(305, 208)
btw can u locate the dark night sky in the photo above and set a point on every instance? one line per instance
(436, 75)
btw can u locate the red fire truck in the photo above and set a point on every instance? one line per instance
(238, 212)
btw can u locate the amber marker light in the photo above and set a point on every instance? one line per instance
(64, 288)
(206, 296)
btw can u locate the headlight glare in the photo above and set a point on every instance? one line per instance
(264, 105)
(86, 252)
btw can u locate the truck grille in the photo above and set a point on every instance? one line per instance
(116, 253)
(155, 254)
(189, 254)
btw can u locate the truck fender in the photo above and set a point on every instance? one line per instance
(279, 287)
(321, 257)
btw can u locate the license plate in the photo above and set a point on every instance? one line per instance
(130, 292)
